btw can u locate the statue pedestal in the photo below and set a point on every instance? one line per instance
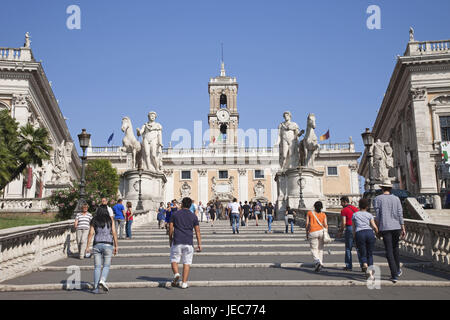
(152, 188)
(55, 186)
(289, 188)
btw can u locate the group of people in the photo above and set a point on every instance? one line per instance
(182, 219)
(361, 227)
(215, 209)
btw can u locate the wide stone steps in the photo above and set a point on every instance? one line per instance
(252, 258)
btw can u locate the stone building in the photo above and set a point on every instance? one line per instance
(414, 115)
(28, 96)
(226, 168)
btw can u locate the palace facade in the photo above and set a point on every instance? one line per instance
(28, 96)
(226, 169)
(415, 117)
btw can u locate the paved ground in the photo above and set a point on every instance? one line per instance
(251, 265)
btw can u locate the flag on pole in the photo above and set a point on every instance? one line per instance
(326, 136)
(110, 138)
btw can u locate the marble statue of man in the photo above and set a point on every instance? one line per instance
(61, 160)
(288, 134)
(151, 133)
(382, 160)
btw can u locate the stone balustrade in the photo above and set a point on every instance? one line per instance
(24, 249)
(427, 47)
(424, 241)
(16, 54)
(337, 147)
(25, 205)
(334, 200)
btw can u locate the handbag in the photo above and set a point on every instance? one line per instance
(326, 235)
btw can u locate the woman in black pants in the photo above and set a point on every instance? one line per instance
(363, 231)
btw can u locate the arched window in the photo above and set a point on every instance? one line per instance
(223, 101)
(224, 131)
(3, 106)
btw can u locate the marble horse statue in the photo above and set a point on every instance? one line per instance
(309, 146)
(130, 143)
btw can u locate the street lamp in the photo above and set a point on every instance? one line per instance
(139, 206)
(301, 202)
(84, 139)
(368, 141)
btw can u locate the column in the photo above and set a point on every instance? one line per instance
(354, 183)
(243, 185)
(424, 142)
(203, 185)
(169, 192)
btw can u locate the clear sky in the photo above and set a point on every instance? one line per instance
(131, 57)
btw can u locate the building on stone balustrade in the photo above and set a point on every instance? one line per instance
(27, 94)
(225, 168)
(414, 117)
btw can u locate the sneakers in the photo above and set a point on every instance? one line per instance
(370, 276)
(394, 279)
(184, 285)
(318, 267)
(400, 272)
(347, 269)
(103, 285)
(175, 280)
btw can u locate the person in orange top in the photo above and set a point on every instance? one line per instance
(316, 222)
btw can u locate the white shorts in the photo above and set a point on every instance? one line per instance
(183, 253)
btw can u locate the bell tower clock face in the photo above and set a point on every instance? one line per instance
(223, 115)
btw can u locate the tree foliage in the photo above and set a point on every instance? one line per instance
(102, 177)
(20, 148)
(102, 180)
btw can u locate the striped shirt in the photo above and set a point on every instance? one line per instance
(84, 221)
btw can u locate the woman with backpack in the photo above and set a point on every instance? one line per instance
(105, 245)
(289, 219)
(316, 222)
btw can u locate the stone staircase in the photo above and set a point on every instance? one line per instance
(253, 258)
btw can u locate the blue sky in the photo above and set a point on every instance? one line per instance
(131, 57)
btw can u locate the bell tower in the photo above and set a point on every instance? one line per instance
(223, 117)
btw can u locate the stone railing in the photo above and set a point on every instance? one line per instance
(334, 200)
(337, 147)
(16, 54)
(24, 249)
(113, 149)
(428, 47)
(25, 205)
(424, 241)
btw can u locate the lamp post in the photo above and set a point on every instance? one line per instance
(368, 141)
(301, 202)
(84, 139)
(139, 206)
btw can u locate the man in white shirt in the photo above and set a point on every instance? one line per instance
(235, 212)
(201, 210)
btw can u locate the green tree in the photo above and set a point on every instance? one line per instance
(102, 177)
(20, 148)
(102, 180)
(8, 140)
